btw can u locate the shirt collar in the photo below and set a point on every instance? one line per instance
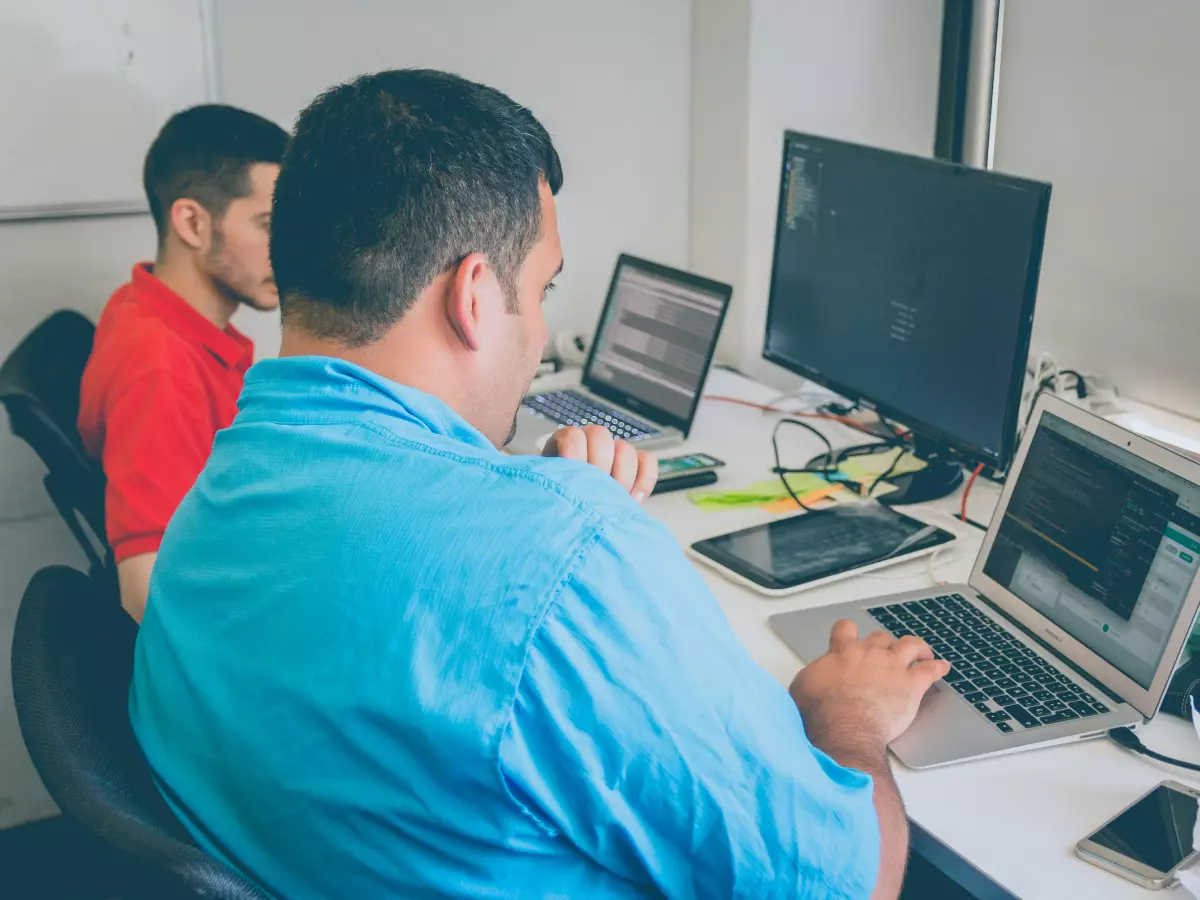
(231, 348)
(313, 389)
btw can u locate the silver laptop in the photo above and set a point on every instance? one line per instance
(1078, 607)
(647, 365)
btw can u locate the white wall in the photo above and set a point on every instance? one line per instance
(53, 264)
(859, 70)
(1099, 98)
(609, 80)
(719, 148)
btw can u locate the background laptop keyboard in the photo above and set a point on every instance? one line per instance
(1008, 684)
(570, 408)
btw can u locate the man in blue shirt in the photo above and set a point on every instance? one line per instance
(383, 659)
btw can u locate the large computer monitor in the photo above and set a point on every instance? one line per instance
(907, 285)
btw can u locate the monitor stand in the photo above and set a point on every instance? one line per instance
(941, 476)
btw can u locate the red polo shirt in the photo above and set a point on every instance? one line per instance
(161, 381)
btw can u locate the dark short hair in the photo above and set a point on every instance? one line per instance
(205, 154)
(394, 178)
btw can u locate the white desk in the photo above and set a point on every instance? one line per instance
(1016, 817)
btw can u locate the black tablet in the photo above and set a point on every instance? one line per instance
(790, 554)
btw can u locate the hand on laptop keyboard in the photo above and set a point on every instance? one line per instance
(1007, 682)
(870, 688)
(634, 470)
(855, 700)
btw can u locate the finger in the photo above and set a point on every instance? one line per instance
(625, 464)
(925, 673)
(647, 475)
(879, 639)
(844, 634)
(600, 447)
(911, 649)
(567, 443)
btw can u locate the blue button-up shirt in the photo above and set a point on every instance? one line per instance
(383, 659)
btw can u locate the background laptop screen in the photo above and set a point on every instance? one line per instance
(656, 339)
(1102, 543)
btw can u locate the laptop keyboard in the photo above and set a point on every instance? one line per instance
(1007, 683)
(570, 408)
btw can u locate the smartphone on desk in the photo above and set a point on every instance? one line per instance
(680, 473)
(683, 466)
(1150, 840)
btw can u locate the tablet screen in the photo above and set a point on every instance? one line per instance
(804, 548)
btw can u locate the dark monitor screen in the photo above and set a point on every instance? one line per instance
(908, 283)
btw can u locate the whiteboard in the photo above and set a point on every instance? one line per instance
(85, 85)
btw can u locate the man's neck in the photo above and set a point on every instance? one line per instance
(395, 358)
(196, 289)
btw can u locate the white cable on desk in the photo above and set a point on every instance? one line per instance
(905, 575)
(1028, 398)
(815, 393)
(931, 559)
(931, 562)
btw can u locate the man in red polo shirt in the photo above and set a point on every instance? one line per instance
(167, 366)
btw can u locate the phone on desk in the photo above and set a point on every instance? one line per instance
(692, 464)
(680, 472)
(1150, 840)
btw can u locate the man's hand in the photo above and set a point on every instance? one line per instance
(634, 470)
(857, 699)
(871, 687)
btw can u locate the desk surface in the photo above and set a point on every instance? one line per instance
(1015, 817)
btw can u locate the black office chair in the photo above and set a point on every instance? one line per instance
(39, 386)
(72, 660)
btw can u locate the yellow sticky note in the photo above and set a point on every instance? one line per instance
(864, 468)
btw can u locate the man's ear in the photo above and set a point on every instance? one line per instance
(191, 222)
(471, 299)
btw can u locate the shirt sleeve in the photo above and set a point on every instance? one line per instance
(158, 434)
(644, 734)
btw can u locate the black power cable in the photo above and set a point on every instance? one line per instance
(828, 467)
(1079, 387)
(1130, 741)
(826, 471)
(887, 472)
(898, 442)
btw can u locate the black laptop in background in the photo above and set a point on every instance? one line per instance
(647, 365)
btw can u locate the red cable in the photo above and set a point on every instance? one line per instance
(967, 490)
(845, 420)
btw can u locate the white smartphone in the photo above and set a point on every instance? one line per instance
(1151, 839)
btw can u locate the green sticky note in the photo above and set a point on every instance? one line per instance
(757, 494)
